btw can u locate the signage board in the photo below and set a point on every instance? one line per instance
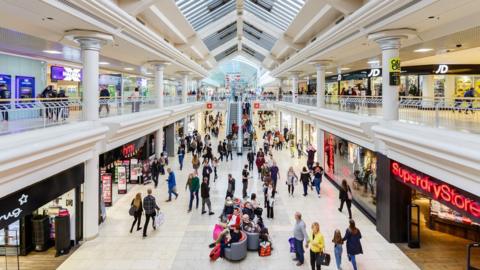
(107, 188)
(134, 168)
(394, 71)
(24, 87)
(7, 80)
(122, 179)
(460, 200)
(441, 69)
(58, 73)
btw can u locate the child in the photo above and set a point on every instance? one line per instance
(338, 242)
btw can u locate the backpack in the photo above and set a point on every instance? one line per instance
(265, 249)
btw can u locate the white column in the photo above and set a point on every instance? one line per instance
(159, 141)
(91, 198)
(428, 92)
(320, 144)
(184, 88)
(321, 67)
(390, 41)
(239, 123)
(295, 88)
(159, 87)
(90, 53)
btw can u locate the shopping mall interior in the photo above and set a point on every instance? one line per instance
(240, 134)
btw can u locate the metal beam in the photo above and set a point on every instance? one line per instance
(345, 6)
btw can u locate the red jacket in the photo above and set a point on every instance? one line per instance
(260, 161)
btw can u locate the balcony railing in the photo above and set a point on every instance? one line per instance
(453, 113)
(25, 114)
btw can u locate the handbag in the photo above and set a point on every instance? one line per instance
(132, 210)
(323, 259)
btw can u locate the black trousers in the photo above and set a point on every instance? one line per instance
(137, 220)
(250, 165)
(155, 178)
(244, 189)
(313, 260)
(290, 189)
(269, 210)
(147, 220)
(5, 115)
(349, 206)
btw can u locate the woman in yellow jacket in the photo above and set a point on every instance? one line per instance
(316, 243)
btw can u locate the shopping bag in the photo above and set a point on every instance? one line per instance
(291, 240)
(159, 219)
(216, 231)
(265, 249)
(215, 253)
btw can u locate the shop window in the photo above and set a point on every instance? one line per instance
(357, 165)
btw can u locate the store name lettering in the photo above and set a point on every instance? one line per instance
(128, 150)
(72, 74)
(436, 190)
(374, 72)
(442, 69)
(15, 213)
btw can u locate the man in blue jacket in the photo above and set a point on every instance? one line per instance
(172, 185)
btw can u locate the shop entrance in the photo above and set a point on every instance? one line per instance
(445, 235)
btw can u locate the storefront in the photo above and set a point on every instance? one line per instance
(123, 166)
(357, 165)
(45, 215)
(66, 79)
(111, 82)
(130, 82)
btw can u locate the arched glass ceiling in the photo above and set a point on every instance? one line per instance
(241, 65)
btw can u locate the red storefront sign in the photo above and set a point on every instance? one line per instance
(128, 150)
(460, 200)
(256, 105)
(209, 105)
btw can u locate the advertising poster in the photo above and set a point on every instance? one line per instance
(107, 189)
(24, 87)
(122, 180)
(134, 171)
(126, 164)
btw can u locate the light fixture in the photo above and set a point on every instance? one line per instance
(103, 63)
(422, 50)
(345, 68)
(328, 72)
(373, 62)
(52, 52)
(128, 68)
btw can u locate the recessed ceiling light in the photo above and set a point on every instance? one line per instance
(148, 73)
(328, 72)
(345, 68)
(103, 63)
(373, 62)
(128, 68)
(421, 50)
(52, 52)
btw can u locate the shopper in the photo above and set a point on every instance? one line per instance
(220, 150)
(104, 99)
(292, 149)
(172, 185)
(137, 203)
(299, 149)
(270, 199)
(338, 248)
(251, 159)
(215, 165)
(305, 178)
(155, 169)
(229, 150)
(310, 156)
(316, 242)
(317, 177)
(345, 196)
(205, 194)
(207, 170)
(135, 99)
(230, 186)
(300, 235)
(275, 175)
(245, 175)
(292, 180)
(181, 155)
(195, 163)
(193, 184)
(354, 247)
(149, 206)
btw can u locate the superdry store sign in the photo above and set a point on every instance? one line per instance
(458, 199)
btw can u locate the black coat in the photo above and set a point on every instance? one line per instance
(354, 246)
(305, 177)
(204, 190)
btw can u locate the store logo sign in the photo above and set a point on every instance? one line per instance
(71, 74)
(438, 191)
(374, 72)
(442, 69)
(339, 77)
(15, 213)
(128, 150)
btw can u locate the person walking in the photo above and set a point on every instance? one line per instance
(292, 149)
(220, 150)
(195, 163)
(231, 186)
(270, 199)
(317, 177)
(155, 171)
(245, 175)
(299, 149)
(193, 184)
(207, 170)
(137, 203)
(181, 156)
(172, 185)
(310, 156)
(104, 99)
(300, 235)
(338, 248)
(205, 194)
(305, 178)
(354, 247)
(149, 206)
(251, 159)
(215, 165)
(135, 99)
(275, 175)
(316, 242)
(292, 180)
(229, 150)
(345, 196)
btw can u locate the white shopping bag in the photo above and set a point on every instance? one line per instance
(159, 219)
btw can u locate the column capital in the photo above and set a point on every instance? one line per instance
(89, 39)
(321, 64)
(391, 39)
(294, 74)
(160, 65)
(184, 73)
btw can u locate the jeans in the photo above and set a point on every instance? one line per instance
(180, 160)
(229, 153)
(313, 260)
(250, 165)
(316, 183)
(299, 250)
(338, 255)
(193, 195)
(305, 188)
(209, 204)
(244, 189)
(170, 192)
(147, 220)
(353, 260)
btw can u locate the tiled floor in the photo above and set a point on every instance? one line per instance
(182, 241)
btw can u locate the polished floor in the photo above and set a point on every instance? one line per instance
(182, 241)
